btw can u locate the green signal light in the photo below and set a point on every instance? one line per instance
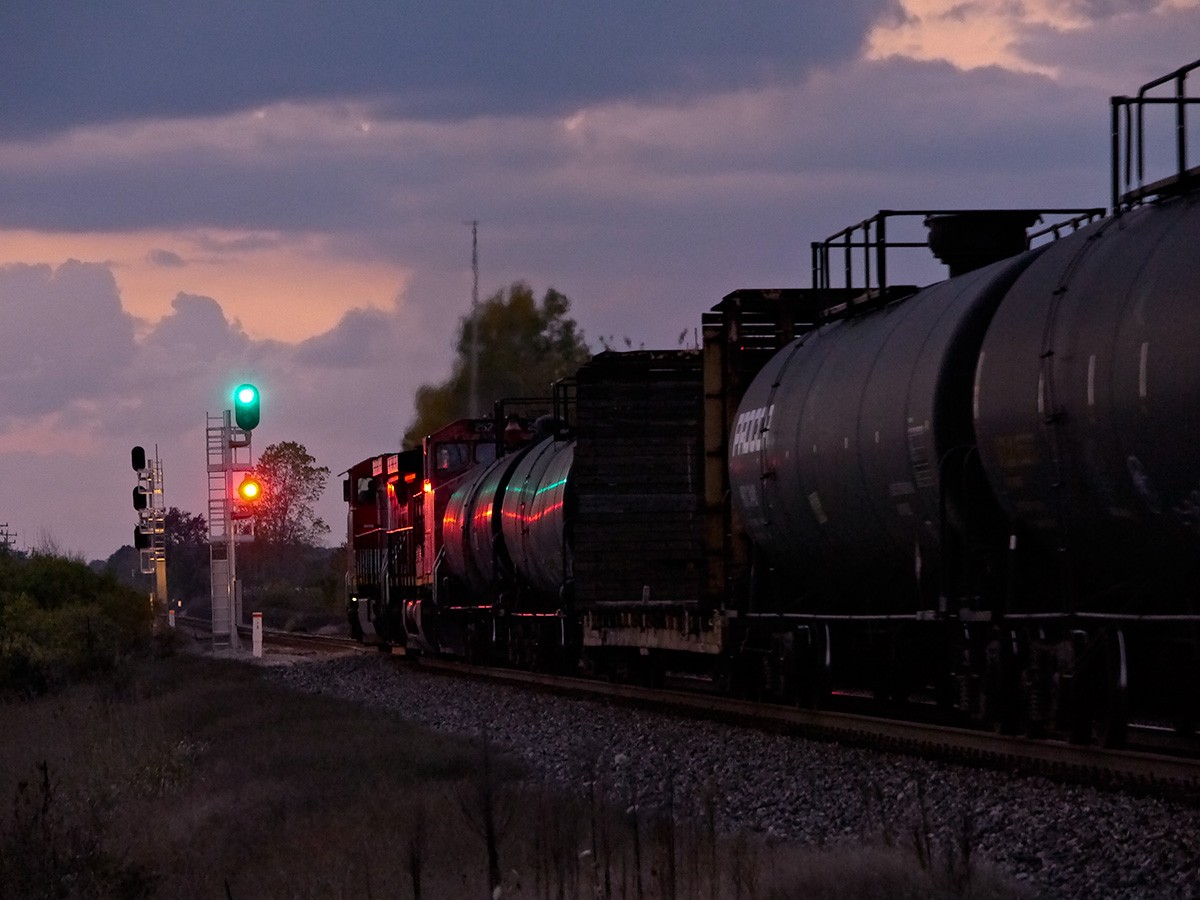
(246, 406)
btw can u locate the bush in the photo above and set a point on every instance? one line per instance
(26, 669)
(61, 621)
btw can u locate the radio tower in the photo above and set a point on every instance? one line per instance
(473, 387)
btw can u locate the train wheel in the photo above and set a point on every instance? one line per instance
(1099, 693)
(814, 667)
(1000, 700)
(1110, 726)
(783, 667)
(746, 674)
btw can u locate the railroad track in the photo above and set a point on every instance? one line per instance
(202, 628)
(1156, 771)
(1162, 762)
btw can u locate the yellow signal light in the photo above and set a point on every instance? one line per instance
(250, 489)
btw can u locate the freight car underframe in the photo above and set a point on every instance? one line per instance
(1080, 674)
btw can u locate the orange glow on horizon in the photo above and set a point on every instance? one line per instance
(288, 289)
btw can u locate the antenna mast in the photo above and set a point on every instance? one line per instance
(473, 392)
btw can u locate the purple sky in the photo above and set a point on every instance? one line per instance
(194, 194)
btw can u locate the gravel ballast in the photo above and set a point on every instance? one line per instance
(1061, 840)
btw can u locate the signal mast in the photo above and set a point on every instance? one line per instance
(232, 505)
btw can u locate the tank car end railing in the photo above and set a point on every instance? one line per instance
(862, 249)
(1129, 187)
(566, 393)
(514, 420)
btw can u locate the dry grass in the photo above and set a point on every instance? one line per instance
(199, 778)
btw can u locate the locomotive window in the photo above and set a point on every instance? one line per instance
(452, 457)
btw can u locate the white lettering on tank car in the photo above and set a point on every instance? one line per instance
(748, 430)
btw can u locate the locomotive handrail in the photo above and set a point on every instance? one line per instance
(1129, 191)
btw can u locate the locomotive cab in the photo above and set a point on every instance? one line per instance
(383, 495)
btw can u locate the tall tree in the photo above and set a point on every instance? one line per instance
(187, 559)
(292, 482)
(524, 347)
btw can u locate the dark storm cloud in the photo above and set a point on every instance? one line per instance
(897, 116)
(182, 187)
(75, 62)
(1100, 55)
(363, 335)
(183, 366)
(63, 335)
(194, 332)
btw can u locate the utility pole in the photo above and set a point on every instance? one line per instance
(473, 391)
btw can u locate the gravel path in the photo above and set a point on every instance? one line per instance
(1062, 841)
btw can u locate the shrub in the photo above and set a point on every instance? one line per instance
(61, 621)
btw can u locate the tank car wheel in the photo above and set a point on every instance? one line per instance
(475, 653)
(1099, 696)
(957, 687)
(814, 667)
(1000, 699)
(783, 667)
(1110, 725)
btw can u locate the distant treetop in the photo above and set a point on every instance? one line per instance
(524, 347)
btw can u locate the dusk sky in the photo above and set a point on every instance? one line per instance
(194, 194)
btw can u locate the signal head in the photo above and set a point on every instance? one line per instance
(250, 490)
(246, 406)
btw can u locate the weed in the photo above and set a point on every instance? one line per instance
(53, 848)
(204, 779)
